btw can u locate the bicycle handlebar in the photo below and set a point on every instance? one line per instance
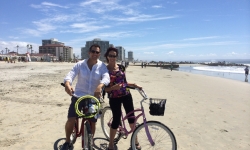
(141, 91)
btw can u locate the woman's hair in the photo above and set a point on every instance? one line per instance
(107, 52)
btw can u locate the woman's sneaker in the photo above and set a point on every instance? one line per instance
(66, 146)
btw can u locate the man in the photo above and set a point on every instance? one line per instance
(92, 76)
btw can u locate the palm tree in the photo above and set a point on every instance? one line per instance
(17, 49)
(31, 49)
(6, 49)
(28, 48)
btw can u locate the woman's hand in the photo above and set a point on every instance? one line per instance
(116, 87)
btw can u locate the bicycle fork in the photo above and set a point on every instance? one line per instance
(148, 133)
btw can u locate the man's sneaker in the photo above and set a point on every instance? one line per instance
(66, 146)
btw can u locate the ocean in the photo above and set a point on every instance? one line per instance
(229, 72)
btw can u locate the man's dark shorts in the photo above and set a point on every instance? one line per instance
(72, 112)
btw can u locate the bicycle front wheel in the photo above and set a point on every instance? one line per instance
(88, 140)
(162, 136)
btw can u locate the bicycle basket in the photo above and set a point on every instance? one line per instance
(89, 108)
(157, 106)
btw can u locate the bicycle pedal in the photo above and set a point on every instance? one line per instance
(116, 141)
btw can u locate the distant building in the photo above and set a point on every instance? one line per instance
(121, 53)
(103, 44)
(51, 41)
(57, 49)
(61, 52)
(130, 56)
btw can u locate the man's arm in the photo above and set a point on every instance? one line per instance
(69, 79)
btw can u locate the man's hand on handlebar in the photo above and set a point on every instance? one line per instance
(68, 88)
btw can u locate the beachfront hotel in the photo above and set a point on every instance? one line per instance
(56, 49)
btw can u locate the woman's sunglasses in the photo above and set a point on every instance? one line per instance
(93, 51)
(112, 56)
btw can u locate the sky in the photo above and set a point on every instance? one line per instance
(159, 30)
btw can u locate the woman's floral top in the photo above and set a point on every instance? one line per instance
(118, 77)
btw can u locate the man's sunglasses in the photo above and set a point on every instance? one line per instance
(93, 51)
(112, 56)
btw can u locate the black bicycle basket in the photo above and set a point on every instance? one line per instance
(157, 106)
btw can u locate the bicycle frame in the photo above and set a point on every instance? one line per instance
(122, 128)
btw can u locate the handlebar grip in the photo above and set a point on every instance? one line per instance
(130, 87)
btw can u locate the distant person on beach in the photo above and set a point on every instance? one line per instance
(145, 64)
(118, 94)
(246, 73)
(123, 63)
(171, 67)
(92, 75)
(142, 65)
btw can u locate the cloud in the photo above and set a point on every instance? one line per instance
(200, 38)
(85, 27)
(139, 18)
(233, 53)
(13, 37)
(89, 2)
(12, 46)
(174, 3)
(48, 4)
(41, 28)
(171, 52)
(211, 54)
(148, 53)
(156, 6)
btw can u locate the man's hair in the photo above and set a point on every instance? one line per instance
(94, 45)
(107, 52)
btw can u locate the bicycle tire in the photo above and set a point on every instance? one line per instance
(88, 138)
(162, 136)
(106, 118)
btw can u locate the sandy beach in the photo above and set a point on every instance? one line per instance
(204, 112)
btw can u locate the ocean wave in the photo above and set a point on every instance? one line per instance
(233, 69)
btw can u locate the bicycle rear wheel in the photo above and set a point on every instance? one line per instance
(88, 138)
(162, 136)
(106, 120)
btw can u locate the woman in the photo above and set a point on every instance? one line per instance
(118, 94)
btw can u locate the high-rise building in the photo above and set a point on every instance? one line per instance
(104, 45)
(121, 53)
(52, 41)
(130, 56)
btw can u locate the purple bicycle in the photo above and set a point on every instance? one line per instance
(150, 134)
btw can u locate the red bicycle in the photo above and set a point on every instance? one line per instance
(90, 108)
